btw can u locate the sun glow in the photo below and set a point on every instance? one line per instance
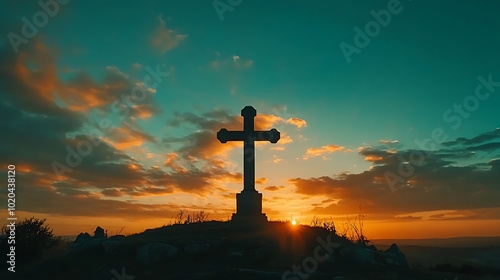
(294, 222)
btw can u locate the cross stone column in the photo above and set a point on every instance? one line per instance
(249, 201)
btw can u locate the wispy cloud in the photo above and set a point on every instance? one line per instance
(389, 141)
(297, 122)
(165, 39)
(274, 188)
(328, 149)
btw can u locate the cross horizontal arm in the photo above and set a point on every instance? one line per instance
(271, 135)
(224, 135)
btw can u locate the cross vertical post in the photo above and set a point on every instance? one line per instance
(248, 149)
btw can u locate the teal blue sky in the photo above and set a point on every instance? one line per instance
(286, 59)
(427, 59)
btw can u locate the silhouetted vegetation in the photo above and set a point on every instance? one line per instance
(33, 236)
(352, 229)
(193, 218)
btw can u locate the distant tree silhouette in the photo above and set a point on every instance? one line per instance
(352, 229)
(194, 218)
(32, 237)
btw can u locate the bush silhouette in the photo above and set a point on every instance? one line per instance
(32, 237)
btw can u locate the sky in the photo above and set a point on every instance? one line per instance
(387, 109)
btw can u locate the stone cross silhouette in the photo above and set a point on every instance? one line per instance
(248, 136)
(249, 201)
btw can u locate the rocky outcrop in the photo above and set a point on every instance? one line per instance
(394, 257)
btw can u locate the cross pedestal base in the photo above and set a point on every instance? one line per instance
(249, 207)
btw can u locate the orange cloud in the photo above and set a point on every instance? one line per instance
(171, 162)
(153, 191)
(360, 149)
(81, 93)
(227, 177)
(204, 145)
(261, 181)
(389, 141)
(33, 73)
(23, 168)
(32, 78)
(285, 139)
(297, 122)
(114, 192)
(170, 159)
(219, 163)
(265, 122)
(274, 188)
(328, 149)
(143, 111)
(84, 97)
(373, 158)
(125, 137)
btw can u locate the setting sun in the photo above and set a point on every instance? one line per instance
(294, 222)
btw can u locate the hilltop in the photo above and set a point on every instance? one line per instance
(223, 250)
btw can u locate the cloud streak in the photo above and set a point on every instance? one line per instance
(324, 150)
